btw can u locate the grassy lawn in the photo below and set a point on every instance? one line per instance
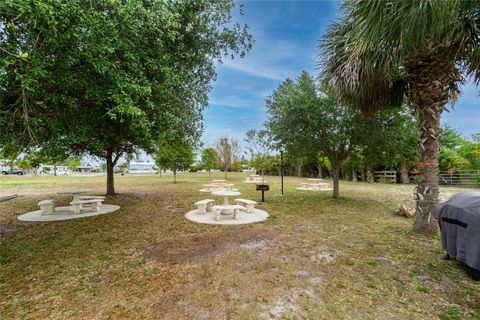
(314, 258)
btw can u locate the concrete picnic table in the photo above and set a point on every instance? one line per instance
(76, 193)
(225, 194)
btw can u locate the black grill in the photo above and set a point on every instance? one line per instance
(459, 221)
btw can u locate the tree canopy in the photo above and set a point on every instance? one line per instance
(108, 77)
(209, 159)
(228, 152)
(175, 155)
(258, 145)
(329, 128)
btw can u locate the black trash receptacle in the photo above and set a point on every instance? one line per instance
(459, 220)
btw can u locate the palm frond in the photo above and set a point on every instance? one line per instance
(363, 55)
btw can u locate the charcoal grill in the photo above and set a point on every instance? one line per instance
(459, 221)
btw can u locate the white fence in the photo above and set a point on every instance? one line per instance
(386, 176)
(453, 178)
(459, 178)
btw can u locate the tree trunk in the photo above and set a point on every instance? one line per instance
(429, 79)
(320, 171)
(298, 167)
(354, 176)
(54, 169)
(174, 176)
(110, 181)
(209, 173)
(226, 174)
(336, 178)
(370, 174)
(404, 170)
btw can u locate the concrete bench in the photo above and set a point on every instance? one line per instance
(46, 206)
(93, 204)
(227, 209)
(250, 204)
(204, 205)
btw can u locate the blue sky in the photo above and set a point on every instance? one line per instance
(286, 37)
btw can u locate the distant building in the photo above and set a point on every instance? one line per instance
(85, 167)
(3, 164)
(50, 169)
(142, 167)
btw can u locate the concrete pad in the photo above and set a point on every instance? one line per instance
(64, 213)
(244, 218)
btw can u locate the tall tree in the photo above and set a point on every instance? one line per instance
(175, 155)
(450, 143)
(228, 153)
(209, 159)
(258, 144)
(72, 163)
(389, 138)
(471, 151)
(329, 128)
(108, 77)
(380, 51)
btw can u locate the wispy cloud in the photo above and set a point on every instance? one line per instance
(256, 71)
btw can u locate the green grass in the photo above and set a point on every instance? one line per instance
(320, 259)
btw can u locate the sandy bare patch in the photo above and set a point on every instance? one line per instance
(287, 305)
(202, 247)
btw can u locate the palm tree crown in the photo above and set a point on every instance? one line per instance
(366, 53)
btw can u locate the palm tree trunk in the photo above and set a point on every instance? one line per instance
(404, 170)
(429, 79)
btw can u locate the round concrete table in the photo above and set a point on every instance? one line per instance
(76, 193)
(225, 194)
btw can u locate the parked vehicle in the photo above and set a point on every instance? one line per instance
(16, 171)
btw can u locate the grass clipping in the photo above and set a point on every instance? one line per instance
(405, 211)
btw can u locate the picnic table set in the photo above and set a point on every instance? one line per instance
(218, 185)
(255, 178)
(222, 189)
(314, 185)
(79, 204)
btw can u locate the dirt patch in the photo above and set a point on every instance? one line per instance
(287, 305)
(202, 247)
(10, 231)
(322, 257)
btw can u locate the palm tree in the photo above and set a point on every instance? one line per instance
(379, 52)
